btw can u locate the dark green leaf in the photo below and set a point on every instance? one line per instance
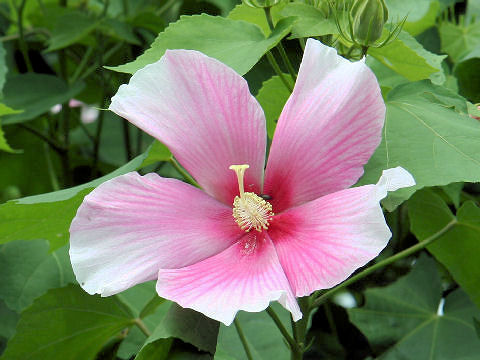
(9, 321)
(29, 270)
(236, 43)
(71, 28)
(68, 324)
(459, 248)
(272, 97)
(120, 30)
(35, 94)
(468, 76)
(411, 316)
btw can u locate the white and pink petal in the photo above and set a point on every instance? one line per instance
(321, 243)
(327, 131)
(131, 226)
(247, 276)
(203, 111)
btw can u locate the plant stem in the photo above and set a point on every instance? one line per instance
(241, 335)
(51, 170)
(81, 66)
(143, 328)
(283, 330)
(126, 140)
(402, 254)
(277, 69)
(280, 47)
(185, 175)
(53, 143)
(21, 38)
(300, 328)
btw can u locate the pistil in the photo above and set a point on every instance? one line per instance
(250, 211)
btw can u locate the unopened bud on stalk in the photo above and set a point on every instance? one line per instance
(261, 3)
(368, 18)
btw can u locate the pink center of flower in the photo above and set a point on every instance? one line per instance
(250, 211)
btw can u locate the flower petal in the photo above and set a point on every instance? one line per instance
(203, 111)
(327, 131)
(324, 241)
(131, 226)
(246, 276)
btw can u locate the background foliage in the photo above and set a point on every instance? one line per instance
(54, 151)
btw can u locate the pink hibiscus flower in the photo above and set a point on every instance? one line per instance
(243, 240)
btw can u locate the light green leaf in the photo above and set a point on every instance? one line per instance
(157, 152)
(48, 216)
(71, 28)
(311, 21)
(272, 97)
(256, 15)
(35, 94)
(425, 134)
(5, 110)
(459, 248)
(236, 43)
(408, 58)
(421, 16)
(29, 270)
(270, 345)
(458, 40)
(188, 325)
(411, 314)
(67, 323)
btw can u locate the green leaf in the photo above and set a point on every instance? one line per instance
(236, 43)
(157, 152)
(256, 15)
(188, 325)
(70, 28)
(425, 134)
(29, 270)
(145, 303)
(263, 337)
(411, 316)
(468, 76)
(272, 97)
(457, 40)
(35, 94)
(48, 216)
(67, 323)
(5, 110)
(119, 30)
(408, 58)
(9, 321)
(421, 16)
(311, 21)
(459, 248)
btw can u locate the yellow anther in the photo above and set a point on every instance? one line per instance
(250, 211)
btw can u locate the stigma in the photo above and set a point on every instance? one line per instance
(250, 211)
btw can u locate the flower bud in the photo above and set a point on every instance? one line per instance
(368, 18)
(261, 3)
